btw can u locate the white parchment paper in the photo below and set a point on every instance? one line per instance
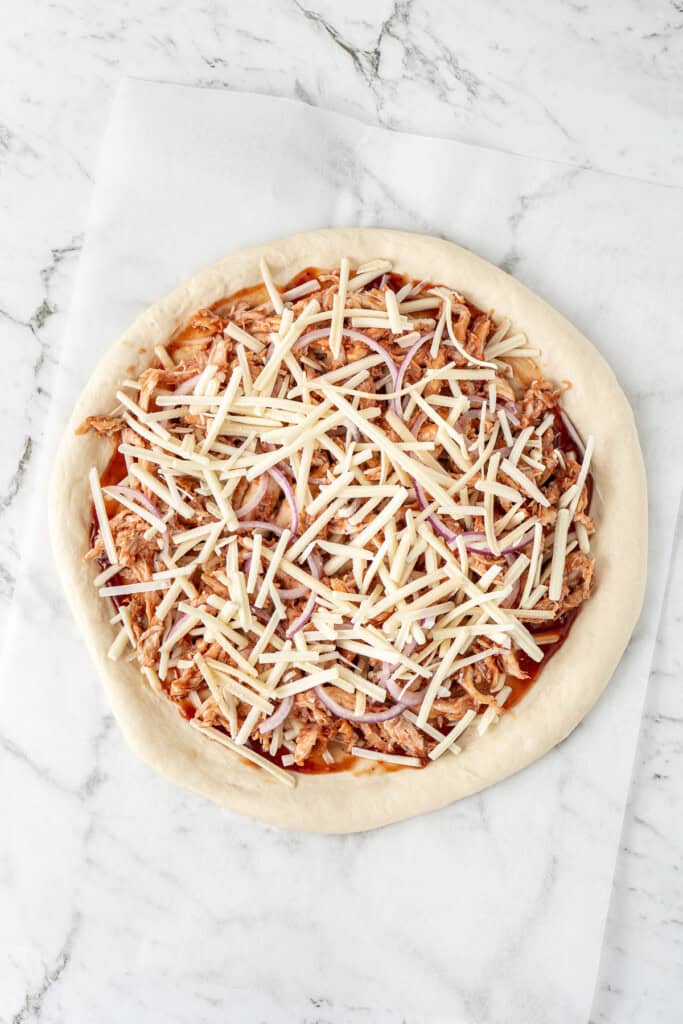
(491, 910)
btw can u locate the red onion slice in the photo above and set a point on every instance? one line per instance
(437, 524)
(135, 495)
(407, 360)
(341, 712)
(187, 385)
(316, 335)
(471, 414)
(260, 524)
(293, 593)
(347, 332)
(348, 510)
(352, 432)
(472, 541)
(175, 628)
(288, 492)
(315, 567)
(277, 717)
(471, 538)
(255, 500)
(511, 413)
(523, 542)
(408, 698)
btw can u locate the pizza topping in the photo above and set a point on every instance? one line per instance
(344, 521)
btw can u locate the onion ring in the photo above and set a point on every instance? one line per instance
(314, 566)
(368, 719)
(277, 717)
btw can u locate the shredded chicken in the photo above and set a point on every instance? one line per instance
(106, 426)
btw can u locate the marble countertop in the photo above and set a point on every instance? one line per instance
(562, 81)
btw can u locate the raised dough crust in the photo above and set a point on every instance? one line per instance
(568, 686)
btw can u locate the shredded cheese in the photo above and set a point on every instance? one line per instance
(559, 553)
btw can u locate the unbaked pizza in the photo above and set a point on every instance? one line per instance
(338, 518)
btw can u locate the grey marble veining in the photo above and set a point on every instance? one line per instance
(568, 82)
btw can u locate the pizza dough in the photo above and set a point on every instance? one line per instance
(569, 684)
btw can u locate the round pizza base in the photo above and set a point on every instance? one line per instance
(568, 686)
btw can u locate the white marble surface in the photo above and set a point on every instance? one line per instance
(563, 82)
(641, 975)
